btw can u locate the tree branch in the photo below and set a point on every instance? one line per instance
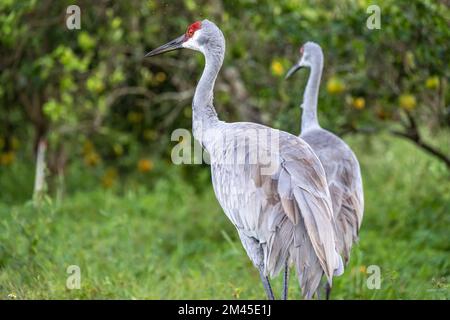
(411, 133)
(415, 137)
(239, 94)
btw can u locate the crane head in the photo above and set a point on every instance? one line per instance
(196, 36)
(309, 53)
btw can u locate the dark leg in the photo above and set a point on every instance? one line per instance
(327, 291)
(266, 285)
(285, 281)
(320, 289)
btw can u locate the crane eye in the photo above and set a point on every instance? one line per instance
(190, 32)
(192, 28)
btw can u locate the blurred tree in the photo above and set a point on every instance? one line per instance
(92, 87)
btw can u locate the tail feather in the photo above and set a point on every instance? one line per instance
(278, 247)
(307, 265)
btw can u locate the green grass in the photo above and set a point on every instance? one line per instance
(174, 242)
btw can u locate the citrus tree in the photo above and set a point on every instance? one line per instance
(94, 100)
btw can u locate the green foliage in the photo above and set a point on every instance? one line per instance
(75, 84)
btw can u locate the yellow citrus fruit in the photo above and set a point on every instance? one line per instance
(92, 159)
(109, 177)
(145, 165)
(88, 147)
(118, 149)
(160, 77)
(432, 82)
(335, 86)
(277, 68)
(407, 101)
(107, 182)
(359, 103)
(7, 158)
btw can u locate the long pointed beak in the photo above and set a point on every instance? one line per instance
(170, 46)
(293, 70)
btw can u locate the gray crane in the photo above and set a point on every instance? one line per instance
(281, 208)
(340, 163)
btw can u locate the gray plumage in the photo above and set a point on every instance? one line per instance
(340, 163)
(344, 183)
(285, 215)
(282, 212)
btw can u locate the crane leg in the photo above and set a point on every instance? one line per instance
(266, 285)
(318, 295)
(327, 291)
(285, 281)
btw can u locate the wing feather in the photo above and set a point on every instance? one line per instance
(345, 185)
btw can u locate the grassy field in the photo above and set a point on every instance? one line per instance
(172, 241)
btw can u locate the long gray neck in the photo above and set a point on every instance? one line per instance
(311, 95)
(203, 113)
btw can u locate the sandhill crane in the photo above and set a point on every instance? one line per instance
(340, 163)
(281, 208)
